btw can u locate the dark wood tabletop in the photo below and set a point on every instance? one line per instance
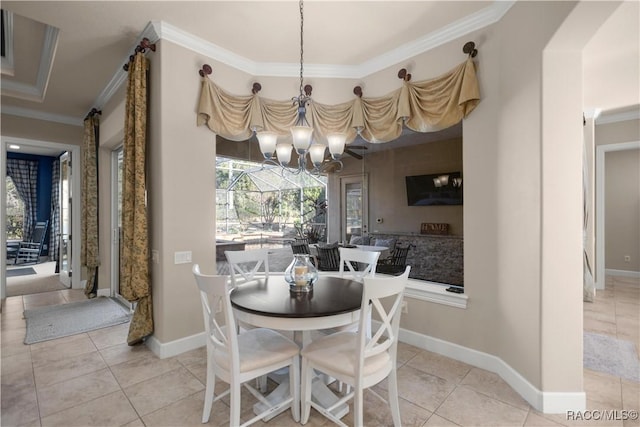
(330, 296)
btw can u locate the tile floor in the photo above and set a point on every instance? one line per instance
(96, 379)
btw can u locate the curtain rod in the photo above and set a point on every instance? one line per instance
(92, 113)
(142, 47)
(469, 48)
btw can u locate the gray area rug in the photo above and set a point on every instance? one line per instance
(47, 323)
(25, 271)
(611, 355)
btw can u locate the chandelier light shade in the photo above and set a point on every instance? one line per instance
(267, 141)
(301, 138)
(283, 151)
(316, 153)
(336, 143)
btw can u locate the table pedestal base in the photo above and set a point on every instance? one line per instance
(320, 394)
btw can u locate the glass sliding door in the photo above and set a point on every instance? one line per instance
(66, 200)
(117, 166)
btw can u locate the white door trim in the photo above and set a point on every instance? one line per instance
(601, 150)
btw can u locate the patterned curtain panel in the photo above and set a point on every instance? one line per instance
(54, 238)
(135, 285)
(24, 174)
(423, 106)
(89, 254)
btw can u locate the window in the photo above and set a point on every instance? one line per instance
(15, 212)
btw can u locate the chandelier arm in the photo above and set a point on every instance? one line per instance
(301, 48)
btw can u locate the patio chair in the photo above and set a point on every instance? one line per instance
(328, 257)
(301, 246)
(396, 262)
(30, 251)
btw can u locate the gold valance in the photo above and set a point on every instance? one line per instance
(424, 106)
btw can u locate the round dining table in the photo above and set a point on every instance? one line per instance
(268, 303)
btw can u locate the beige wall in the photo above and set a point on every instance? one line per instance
(622, 210)
(41, 130)
(388, 196)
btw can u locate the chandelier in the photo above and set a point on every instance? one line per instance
(301, 133)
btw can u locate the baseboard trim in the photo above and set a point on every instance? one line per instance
(546, 402)
(179, 346)
(104, 292)
(623, 273)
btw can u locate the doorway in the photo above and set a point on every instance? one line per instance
(601, 151)
(354, 206)
(42, 148)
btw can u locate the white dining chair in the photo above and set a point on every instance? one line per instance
(356, 360)
(245, 265)
(359, 264)
(238, 358)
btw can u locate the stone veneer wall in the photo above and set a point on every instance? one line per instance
(434, 258)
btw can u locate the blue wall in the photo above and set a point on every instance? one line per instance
(43, 187)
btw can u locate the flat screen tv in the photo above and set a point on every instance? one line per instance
(434, 190)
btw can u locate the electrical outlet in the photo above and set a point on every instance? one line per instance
(405, 307)
(155, 256)
(627, 258)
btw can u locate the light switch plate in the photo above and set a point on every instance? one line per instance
(183, 257)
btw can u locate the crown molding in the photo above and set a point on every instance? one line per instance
(41, 115)
(618, 117)
(156, 30)
(36, 92)
(487, 16)
(7, 64)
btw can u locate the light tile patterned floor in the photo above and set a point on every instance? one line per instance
(96, 379)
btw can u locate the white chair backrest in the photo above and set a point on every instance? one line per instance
(360, 263)
(244, 265)
(221, 331)
(385, 338)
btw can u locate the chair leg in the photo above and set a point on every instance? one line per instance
(393, 398)
(294, 388)
(234, 411)
(305, 395)
(358, 417)
(208, 394)
(261, 383)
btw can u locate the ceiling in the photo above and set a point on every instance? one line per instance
(68, 55)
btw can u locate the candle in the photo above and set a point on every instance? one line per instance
(299, 275)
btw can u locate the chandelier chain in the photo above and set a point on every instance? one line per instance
(301, 46)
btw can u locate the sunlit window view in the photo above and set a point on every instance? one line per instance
(264, 205)
(15, 211)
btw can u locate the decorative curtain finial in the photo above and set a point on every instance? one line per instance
(470, 49)
(205, 70)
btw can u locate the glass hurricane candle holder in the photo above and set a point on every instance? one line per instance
(301, 274)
